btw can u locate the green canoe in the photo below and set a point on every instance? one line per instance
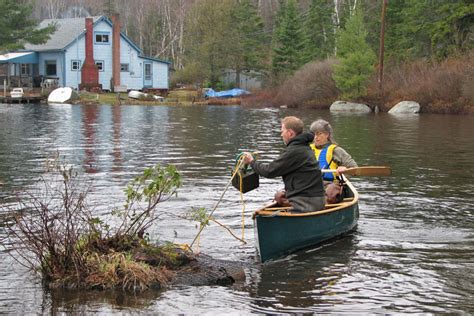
(279, 232)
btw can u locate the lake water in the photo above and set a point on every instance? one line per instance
(412, 251)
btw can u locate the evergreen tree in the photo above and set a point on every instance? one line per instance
(319, 29)
(249, 42)
(356, 59)
(288, 41)
(18, 28)
(424, 29)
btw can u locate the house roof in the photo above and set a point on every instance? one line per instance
(67, 30)
(19, 58)
(154, 59)
(72, 29)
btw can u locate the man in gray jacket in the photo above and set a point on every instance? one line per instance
(298, 167)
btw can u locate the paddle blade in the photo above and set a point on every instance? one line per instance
(367, 171)
(370, 171)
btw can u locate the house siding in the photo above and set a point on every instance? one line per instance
(160, 75)
(133, 79)
(76, 51)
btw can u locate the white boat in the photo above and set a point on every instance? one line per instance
(134, 94)
(17, 93)
(61, 95)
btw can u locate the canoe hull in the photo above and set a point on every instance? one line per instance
(279, 234)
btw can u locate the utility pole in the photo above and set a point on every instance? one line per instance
(381, 49)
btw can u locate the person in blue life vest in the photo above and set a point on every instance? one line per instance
(297, 165)
(327, 152)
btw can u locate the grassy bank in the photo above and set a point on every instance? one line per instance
(122, 98)
(181, 97)
(439, 87)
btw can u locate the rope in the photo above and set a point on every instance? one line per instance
(243, 207)
(237, 167)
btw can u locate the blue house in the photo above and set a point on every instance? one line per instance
(86, 53)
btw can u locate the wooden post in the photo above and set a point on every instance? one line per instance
(8, 75)
(381, 48)
(119, 89)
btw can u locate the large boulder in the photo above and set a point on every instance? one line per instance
(405, 107)
(343, 106)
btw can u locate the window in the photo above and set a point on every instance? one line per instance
(100, 65)
(102, 38)
(124, 67)
(50, 67)
(75, 65)
(25, 69)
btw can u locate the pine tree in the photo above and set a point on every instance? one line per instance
(356, 59)
(288, 41)
(18, 28)
(249, 41)
(319, 29)
(421, 29)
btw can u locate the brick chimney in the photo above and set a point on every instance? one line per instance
(89, 72)
(116, 49)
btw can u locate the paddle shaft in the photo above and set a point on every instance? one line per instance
(375, 171)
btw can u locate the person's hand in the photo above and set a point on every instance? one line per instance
(280, 198)
(247, 158)
(341, 170)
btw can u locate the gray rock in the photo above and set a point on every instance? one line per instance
(343, 106)
(405, 107)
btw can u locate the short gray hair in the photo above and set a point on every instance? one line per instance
(322, 126)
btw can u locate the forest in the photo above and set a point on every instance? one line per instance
(305, 52)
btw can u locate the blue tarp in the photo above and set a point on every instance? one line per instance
(210, 93)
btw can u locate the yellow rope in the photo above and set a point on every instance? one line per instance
(243, 207)
(237, 167)
(228, 229)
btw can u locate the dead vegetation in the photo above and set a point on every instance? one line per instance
(311, 86)
(56, 233)
(439, 87)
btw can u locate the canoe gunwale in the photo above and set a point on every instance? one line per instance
(283, 211)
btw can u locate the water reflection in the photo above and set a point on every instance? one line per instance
(289, 285)
(68, 301)
(89, 130)
(116, 139)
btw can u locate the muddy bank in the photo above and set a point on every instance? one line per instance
(186, 268)
(205, 270)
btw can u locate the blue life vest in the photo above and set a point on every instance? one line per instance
(324, 157)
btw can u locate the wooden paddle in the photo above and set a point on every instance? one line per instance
(374, 171)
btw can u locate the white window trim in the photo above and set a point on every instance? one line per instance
(78, 63)
(101, 62)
